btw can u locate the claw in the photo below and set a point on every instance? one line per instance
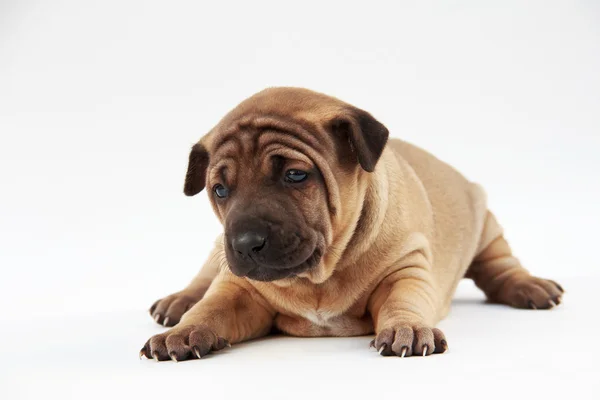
(197, 352)
(372, 344)
(173, 357)
(532, 306)
(221, 344)
(156, 318)
(425, 348)
(552, 304)
(155, 356)
(382, 348)
(404, 350)
(166, 321)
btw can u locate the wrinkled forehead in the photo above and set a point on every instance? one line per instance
(299, 114)
(259, 137)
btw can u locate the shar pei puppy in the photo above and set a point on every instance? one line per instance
(330, 228)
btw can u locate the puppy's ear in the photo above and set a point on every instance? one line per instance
(366, 135)
(195, 178)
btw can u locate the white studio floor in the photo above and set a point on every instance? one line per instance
(495, 352)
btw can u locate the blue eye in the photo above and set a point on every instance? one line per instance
(295, 175)
(221, 191)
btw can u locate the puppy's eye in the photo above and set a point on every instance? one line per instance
(220, 190)
(295, 175)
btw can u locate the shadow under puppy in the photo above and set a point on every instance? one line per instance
(331, 229)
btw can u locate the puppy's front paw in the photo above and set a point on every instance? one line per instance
(178, 344)
(168, 311)
(406, 340)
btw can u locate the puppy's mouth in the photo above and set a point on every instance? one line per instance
(255, 270)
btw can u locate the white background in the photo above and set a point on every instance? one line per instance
(101, 101)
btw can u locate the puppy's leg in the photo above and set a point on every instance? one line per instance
(500, 275)
(404, 311)
(230, 312)
(168, 310)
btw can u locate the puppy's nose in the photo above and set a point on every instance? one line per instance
(248, 242)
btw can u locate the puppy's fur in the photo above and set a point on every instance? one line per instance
(375, 240)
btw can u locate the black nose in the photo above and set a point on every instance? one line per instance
(249, 242)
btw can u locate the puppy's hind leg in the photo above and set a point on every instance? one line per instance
(500, 275)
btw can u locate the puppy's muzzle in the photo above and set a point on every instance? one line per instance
(263, 250)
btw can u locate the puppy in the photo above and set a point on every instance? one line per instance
(331, 229)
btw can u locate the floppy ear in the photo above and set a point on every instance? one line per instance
(195, 178)
(366, 135)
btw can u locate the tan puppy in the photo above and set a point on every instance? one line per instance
(332, 230)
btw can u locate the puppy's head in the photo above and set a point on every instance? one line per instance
(284, 170)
